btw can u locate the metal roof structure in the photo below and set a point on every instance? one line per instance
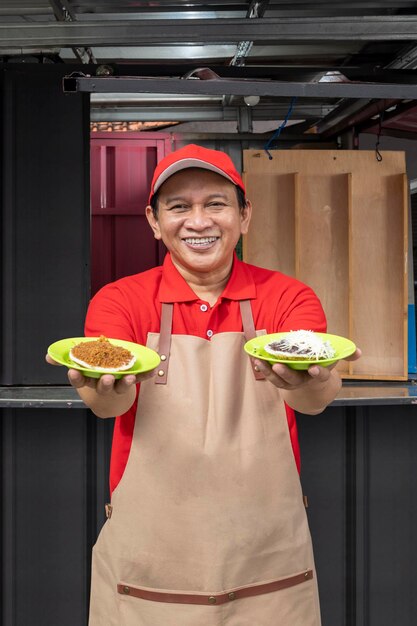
(339, 64)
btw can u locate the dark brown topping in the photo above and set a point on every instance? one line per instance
(282, 346)
(300, 344)
(102, 353)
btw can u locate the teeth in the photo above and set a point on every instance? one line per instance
(195, 241)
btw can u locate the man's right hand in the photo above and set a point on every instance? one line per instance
(105, 396)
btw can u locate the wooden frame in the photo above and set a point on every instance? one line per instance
(337, 221)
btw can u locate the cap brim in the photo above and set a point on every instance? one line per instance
(184, 164)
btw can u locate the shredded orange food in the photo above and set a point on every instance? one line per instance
(102, 353)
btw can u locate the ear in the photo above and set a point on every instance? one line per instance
(245, 217)
(153, 222)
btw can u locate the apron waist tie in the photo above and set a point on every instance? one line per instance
(215, 598)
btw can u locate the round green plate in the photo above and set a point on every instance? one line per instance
(147, 359)
(344, 348)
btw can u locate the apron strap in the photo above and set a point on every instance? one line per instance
(249, 330)
(165, 337)
(164, 342)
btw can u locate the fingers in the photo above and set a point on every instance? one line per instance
(355, 356)
(50, 360)
(319, 374)
(77, 380)
(291, 378)
(102, 386)
(285, 377)
(281, 376)
(123, 385)
(107, 384)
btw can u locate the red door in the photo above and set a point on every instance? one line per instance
(122, 166)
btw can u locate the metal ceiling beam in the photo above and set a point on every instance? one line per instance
(155, 112)
(347, 116)
(160, 32)
(261, 137)
(256, 10)
(407, 59)
(64, 12)
(72, 84)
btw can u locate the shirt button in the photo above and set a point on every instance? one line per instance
(209, 333)
(203, 307)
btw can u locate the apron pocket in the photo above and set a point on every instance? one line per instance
(140, 612)
(291, 599)
(292, 606)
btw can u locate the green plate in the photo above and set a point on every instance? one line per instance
(344, 348)
(147, 359)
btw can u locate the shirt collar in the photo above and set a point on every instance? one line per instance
(174, 288)
(241, 285)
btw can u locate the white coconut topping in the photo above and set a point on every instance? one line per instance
(302, 343)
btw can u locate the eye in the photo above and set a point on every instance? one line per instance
(178, 208)
(217, 204)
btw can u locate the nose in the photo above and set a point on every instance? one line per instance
(198, 219)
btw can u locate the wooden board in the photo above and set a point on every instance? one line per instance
(322, 246)
(378, 274)
(273, 216)
(337, 221)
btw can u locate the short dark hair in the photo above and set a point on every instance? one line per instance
(241, 200)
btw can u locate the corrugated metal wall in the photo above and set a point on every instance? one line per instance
(45, 219)
(359, 463)
(48, 456)
(358, 471)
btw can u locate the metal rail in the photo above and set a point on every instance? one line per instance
(65, 397)
(215, 30)
(217, 87)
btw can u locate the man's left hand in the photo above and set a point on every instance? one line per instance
(284, 377)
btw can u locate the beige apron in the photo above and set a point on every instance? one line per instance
(208, 525)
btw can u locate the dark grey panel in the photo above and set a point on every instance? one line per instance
(45, 517)
(359, 471)
(323, 457)
(392, 517)
(102, 434)
(45, 220)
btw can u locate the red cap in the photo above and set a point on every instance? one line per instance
(195, 156)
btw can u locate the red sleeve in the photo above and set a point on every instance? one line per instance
(300, 310)
(108, 315)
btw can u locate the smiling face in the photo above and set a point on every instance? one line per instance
(199, 221)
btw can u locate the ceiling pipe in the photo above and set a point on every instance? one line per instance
(372, 126)
(358, 115)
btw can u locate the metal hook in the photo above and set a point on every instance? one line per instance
(378, 155)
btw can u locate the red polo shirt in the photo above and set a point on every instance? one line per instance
(130, 308)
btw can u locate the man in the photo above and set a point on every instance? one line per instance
(206, 524)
